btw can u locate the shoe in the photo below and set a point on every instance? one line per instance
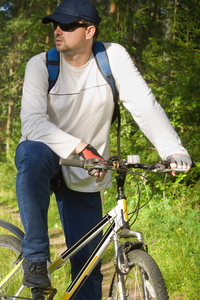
(35, 274)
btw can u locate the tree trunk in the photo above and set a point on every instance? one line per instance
(9, 113)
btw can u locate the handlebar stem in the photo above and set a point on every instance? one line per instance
(120, 185)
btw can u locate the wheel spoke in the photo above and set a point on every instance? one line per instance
(137, 292)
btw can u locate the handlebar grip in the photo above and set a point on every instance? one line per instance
(72, 162)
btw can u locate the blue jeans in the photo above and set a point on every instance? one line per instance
(37, 167)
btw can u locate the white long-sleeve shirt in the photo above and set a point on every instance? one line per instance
(80, 107)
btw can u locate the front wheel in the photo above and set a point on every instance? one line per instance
(144, 280)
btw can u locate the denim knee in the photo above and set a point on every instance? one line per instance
(36, 156)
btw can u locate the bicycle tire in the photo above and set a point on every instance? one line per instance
(144, 280)
(10, 254)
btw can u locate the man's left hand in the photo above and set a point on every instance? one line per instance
(180, 161)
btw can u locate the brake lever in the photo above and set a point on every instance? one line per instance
(95, 163)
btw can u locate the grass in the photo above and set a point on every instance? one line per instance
(170, 225)
(174, 244)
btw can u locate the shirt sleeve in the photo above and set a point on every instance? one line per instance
(138, 98)
(34, 116)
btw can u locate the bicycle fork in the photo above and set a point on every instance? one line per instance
(121, 262)
(120, 277)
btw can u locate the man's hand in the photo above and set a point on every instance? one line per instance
(180, 161)
(90, 152)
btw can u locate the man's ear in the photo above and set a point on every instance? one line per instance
(90, 31)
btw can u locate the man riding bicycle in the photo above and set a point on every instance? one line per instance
(74, 119)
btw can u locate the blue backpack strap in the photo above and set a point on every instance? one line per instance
(53, 65)
(104, 67)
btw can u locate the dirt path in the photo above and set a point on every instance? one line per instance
(107, 271)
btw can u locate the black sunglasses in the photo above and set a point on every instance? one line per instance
(68, 27)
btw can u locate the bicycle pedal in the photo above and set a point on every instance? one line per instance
(39, 294)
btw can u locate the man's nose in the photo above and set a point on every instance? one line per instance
(58, 30)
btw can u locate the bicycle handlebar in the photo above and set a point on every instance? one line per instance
(159, 167)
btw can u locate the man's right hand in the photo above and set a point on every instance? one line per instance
(90, 152)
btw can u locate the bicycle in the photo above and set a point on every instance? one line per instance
(136, 275)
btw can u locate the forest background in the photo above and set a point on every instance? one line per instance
(162, 37)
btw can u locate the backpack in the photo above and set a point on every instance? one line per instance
(53, 66)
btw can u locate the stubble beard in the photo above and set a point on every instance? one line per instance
(63, 48)
(66, 50)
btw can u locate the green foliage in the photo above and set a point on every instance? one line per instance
(23, 36)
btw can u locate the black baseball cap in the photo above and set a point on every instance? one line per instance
(70, 11)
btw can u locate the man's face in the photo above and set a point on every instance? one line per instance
(69, 42)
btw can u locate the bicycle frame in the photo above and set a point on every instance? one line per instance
(117, 218)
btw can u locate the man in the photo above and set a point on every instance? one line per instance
(76, 114)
